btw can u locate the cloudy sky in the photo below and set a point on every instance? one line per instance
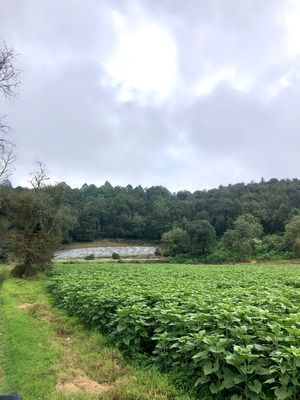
(186, 94)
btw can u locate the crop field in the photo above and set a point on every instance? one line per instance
(232, 332)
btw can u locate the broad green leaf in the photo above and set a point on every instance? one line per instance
(261, 371)
(208, 368)
(126, 341)
(284, 380)
(202, 380)
(282, 393)
(214, 388)
(236, 397)
(255, 386)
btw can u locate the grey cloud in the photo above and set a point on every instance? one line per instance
(68, 117)
(261, 137)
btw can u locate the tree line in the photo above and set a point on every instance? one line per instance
(242, 216)
(146, 213)
(235, 221)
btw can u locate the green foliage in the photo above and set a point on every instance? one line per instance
(146, 213)
(5, 224)
(115, 256)
(292, 234)
(202, 236)
(270, 247)
(232, 330)
(157, 251)
(35, 217)
(174, 242)
(243, 239)
(68, 222)
(296, 248)
(90, 257)
(220, 255)
(270, 243)
(198, 237)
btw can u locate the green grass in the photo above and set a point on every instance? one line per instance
(40, 347)
(25, 344)
(4, 271)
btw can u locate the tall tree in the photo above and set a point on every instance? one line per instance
(176, 241)
(202, 236)
(291, 236)
(36, 217)
(242, 239)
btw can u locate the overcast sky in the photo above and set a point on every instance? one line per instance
(186, 94)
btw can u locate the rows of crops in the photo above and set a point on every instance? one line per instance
(233, 330)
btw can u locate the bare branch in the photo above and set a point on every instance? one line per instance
(8, 73)
(8, 85)
(7, 158)
(7, 152)
(39, 176)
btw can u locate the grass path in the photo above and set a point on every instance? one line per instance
(46, 355)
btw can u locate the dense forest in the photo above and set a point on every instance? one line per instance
(237, 221)
(138, 213)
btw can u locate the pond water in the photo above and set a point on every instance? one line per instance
(106, 252)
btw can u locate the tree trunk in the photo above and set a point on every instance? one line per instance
(25, 270)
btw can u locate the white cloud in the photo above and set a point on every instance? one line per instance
(292, 22)
(144, 62)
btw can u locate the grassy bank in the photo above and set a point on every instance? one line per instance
(46, 355)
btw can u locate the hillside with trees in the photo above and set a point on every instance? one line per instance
(237, 221)
(147, 213)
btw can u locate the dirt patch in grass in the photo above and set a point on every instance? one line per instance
(82, 366)
(25, 306)
(44, 313)
(87, 366)
(82, 384)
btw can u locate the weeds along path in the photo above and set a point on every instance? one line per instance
(47, 355)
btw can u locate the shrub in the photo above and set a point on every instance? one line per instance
(292, 233)
(202, 236)
(115, 256)
(90, 257)
(157, 251)
(296, 248)
(244, 238)
(174, 242)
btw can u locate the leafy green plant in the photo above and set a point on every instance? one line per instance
(233, 330)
